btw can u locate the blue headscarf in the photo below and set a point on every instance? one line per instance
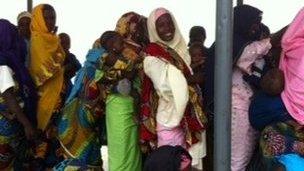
(89, 68)
(12, 54)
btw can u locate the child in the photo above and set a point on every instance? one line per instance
(197, 53)
(267, 106)
(117, 68)
(198, 56)
(71, 64)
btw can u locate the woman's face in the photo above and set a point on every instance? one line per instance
(49, 16)
(141, 35)
(24, 27)
(165, 27)
(254, 32)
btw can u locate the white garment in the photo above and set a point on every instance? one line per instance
(172, 89)
(6, 78)
(198, 151)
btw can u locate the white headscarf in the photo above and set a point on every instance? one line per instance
(24, 14)
(178, 43)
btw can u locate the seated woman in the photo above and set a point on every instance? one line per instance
(18, 100)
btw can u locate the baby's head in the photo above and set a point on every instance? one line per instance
(196, 51)
(112, 42)
(273, 82)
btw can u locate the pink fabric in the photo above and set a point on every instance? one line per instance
(159, 12)
(243, 136)
(170, 136)
(292, 64)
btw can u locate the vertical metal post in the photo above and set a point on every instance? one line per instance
(29, 5)
(239, 2)
(222, 88)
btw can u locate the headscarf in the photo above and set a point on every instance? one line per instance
(47, 57)
(12, 54)
(244, 17)
(24, 14)
(292, 64)
(132, 27)
(178, 43)
(127, 24)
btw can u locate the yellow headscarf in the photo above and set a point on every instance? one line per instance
(47, 57)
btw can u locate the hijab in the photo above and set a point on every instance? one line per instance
(177, 43)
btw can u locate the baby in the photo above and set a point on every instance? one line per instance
(197, 54)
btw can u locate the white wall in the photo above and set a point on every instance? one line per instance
(86, 20)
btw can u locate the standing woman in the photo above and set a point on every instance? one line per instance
(17, 97)
(248, 47)
(121, 113)
(47, 57)
(171, 112)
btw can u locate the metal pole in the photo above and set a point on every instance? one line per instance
(29, 5)
(240, 2)
(222, 94)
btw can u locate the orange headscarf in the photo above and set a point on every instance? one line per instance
(46, 68)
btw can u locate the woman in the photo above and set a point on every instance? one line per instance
(287, 137)
(248, 49)
(171, 110)
(292, 65)
(121, 110)
(17, 99)
(47, 57)
(78, 127)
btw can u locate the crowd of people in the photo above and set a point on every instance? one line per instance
(148, 95)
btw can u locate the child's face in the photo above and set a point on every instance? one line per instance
(117, 45)
(65, 42)
(196, 55)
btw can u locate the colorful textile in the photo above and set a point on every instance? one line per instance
(74, 164)
(79, 125)
(292, 65)
(122, 134)
(190, 118)
(12, 54)
(46, 68)
(167, 65)
(282, 138)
